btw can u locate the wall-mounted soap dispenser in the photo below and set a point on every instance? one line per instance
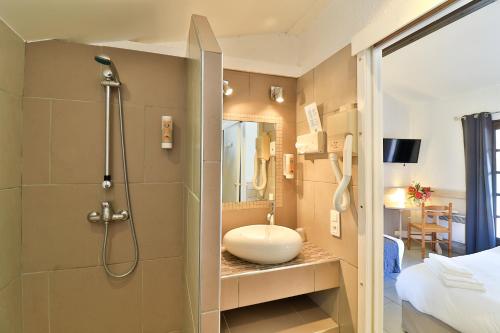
(167, 132)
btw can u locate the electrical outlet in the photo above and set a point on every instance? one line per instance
(334, 223)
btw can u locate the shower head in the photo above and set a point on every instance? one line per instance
(103, 59)
(110, 73)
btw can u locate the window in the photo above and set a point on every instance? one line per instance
(496, 166)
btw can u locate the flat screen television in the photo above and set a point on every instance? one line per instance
(401, 150)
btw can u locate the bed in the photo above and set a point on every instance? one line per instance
(393, 254)
(429, 306)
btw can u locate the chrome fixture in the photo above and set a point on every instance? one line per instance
(271, 214)
(277, 94)
(111, 79)
(226, 88)
(107, 215)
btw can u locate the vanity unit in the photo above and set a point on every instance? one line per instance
(244, 283)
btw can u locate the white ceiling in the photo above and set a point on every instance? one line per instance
(459, 58)
(153, 20)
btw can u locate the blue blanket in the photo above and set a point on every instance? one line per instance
(391, 257)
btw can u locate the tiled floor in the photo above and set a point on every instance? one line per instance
(392, 303)
(291, 315)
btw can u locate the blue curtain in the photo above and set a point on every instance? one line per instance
(480, 217)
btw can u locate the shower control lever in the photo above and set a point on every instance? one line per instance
(107, 215)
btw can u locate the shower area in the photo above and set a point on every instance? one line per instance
(102, 230)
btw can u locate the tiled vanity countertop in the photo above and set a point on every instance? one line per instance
(244, 283)
(311, 254)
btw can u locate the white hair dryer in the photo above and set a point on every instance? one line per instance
(341, 198)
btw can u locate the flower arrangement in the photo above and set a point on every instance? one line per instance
(418, 193)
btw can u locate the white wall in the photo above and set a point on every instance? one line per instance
(441, 162)
(397, 121)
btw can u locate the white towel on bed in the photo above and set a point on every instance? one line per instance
(468, 283)
(449, 266)
(453, 280)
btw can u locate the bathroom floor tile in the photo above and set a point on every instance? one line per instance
(292, 315)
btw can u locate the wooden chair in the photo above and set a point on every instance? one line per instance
(432, 227)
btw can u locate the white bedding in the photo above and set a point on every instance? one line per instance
(467, 311)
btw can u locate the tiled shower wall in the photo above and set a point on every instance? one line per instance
(11, 89)
(250, 98)
(331, 84)
(203, 179)
(64, 287)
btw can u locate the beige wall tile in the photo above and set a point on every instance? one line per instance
(60, 236)
(240, 82)
(76, 158)
(276, 316)
(77, 152)
(260, 85)
(335, 80)
(157, 212)
(36, 141)
(150, 79)
(11, 61)
(348, 298)
(135, 130)
(86, 300)
(235, 218)
(305, 206)
(331, 85)
(210, 236)
(326, 276)
(157, 160)
(210, 322)
(10, 140)
(36, 303)
(78, 143)
(10, 235)
(228, 294)
(305, 94)
(345, 247)
(212, 107)
(10, 308)
(260, 288)
(161, 294)
(62, 70)
(192, 254)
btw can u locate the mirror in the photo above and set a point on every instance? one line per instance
(248, 161)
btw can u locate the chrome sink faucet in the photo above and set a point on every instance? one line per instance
(107, 215)
(270, 215)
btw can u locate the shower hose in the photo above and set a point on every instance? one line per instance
(129, 205)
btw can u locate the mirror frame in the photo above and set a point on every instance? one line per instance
(278, 196)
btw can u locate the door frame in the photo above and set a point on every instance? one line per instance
(371, 172)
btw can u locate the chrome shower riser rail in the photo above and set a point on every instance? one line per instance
(107, 215)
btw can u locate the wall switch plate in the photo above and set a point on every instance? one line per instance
(334, 223)
(272, 148)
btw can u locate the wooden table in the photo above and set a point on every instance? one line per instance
(401, 209)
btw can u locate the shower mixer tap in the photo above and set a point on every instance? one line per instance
(107, 214)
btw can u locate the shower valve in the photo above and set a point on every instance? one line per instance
(107, 215)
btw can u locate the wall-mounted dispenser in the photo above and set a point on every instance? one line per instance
(315, 141)
(289, 166)
(167, 132)
(311, 143)
(339, 124)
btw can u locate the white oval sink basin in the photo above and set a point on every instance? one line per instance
(263, 244)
